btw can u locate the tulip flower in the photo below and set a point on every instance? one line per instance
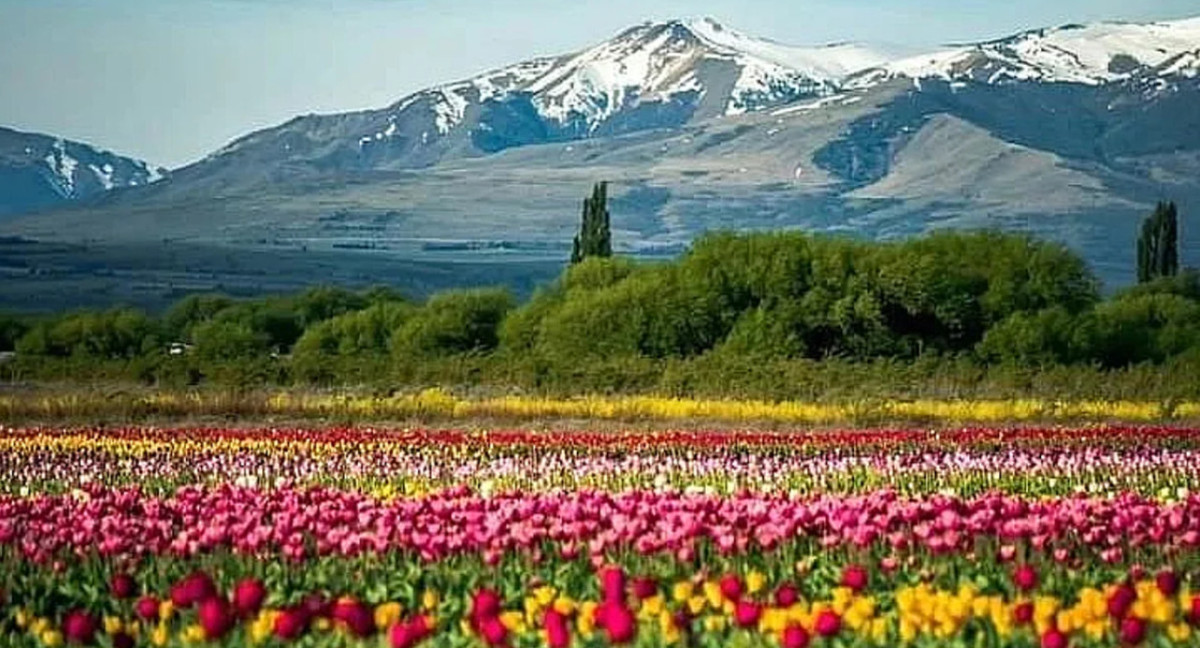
(248, 597)
(215, 617)
(123, 586)
(1025, 578)
(854, 577)
(828, 623)
(79, 627)
(147, 608)
(795, 636)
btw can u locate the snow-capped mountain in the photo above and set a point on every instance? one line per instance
(658, 63)
(1072, 133)
(1092, 54)
(663, 75)
(40, 170)
(654, 75)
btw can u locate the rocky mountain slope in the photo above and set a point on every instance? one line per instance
(39, 171)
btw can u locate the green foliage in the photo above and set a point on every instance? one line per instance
(1046, 337)
(316, 305)
(1186, 284)
(1158, 244)
(109, 335)
(232, 352)
(762, 314)
(595, 232)
(12, 328)
(351, 347)
(191, 311)
(793, 295)
(1146, 328)
(454, 322)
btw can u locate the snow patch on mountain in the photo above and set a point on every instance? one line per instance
(829, 62)
(1087, 54)
(104, 174)
(62, 166)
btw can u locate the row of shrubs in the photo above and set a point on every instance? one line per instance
(771, 314)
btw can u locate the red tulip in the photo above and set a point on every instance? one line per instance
(357, 616)
(731, 587)
(420, 627)
(314, 605)
(644, 587)
(854, 577)
(215, 617)
(1133, 631)
(485, 604)
(147, 608)
(1052, 638)
(1023, 613)
(1167, 582)
(492, 631)
(620, 624)
(828, 623)
(248, 597)
(290, 624)
(1121, 600)
(795, 636)
(786, 595)
(79, 627)
(191, 590)
(746, 613)
(558, 635)
(399, 636)
(1025, 578)
(1195, 612)
(612, 584)
(123, 586)
(406, 635)
(123, 640)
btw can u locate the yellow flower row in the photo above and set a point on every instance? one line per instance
(441, 404)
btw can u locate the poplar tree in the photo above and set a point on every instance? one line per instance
(595, 236)
(1158, 244)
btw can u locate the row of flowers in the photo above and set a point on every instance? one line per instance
(1158, 462)
(619, 609)
(298, 523)
(436, 403)
(977, 537)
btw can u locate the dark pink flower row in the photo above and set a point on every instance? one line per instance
(300, 522)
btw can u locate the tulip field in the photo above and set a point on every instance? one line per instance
(991, 536)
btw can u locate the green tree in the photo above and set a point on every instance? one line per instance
(454, 322)
(1046, 337)
(351, 347)
(232, 353)
(192, 310)
(595, 234)
(1158, 244)
(117, 334)
(12, 328)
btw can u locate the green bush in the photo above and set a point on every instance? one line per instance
(454, 322)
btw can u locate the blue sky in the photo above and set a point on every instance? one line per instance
(172, 80)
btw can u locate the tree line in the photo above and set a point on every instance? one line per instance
(732, 304)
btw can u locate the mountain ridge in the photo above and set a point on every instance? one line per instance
(39, 171)
(478, 178)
